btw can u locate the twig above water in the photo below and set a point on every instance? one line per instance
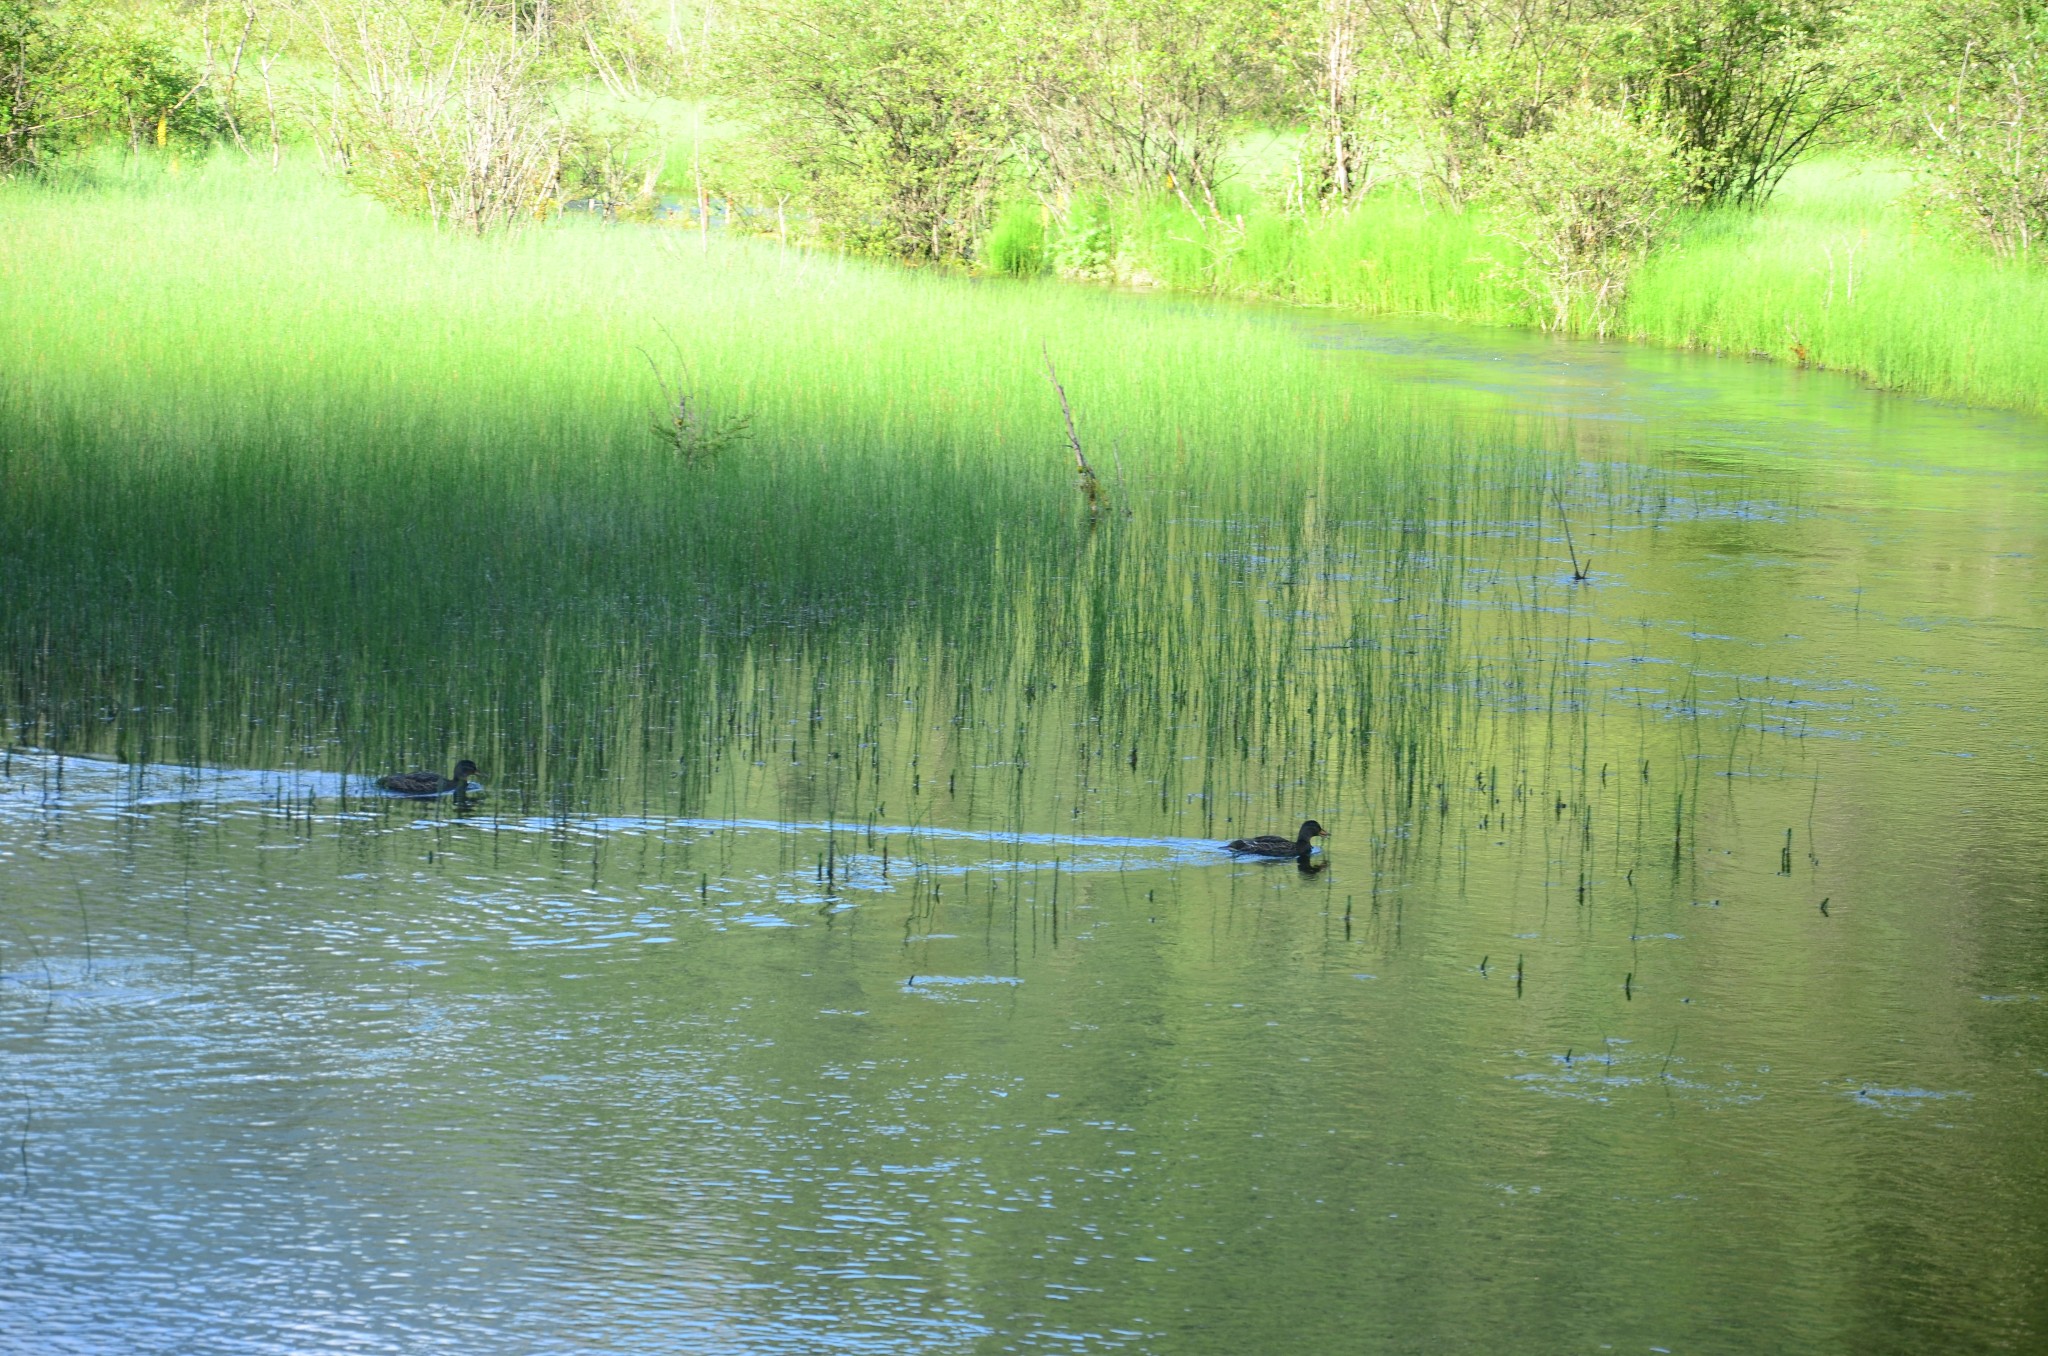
(1580, 573)
(1088, 479)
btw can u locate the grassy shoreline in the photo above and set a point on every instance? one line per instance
(1835, 273)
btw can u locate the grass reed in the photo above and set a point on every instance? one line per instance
(290, 483)
(1835, 272)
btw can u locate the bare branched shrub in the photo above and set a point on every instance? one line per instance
(612, 162)
(1585, 200)
(1966, 86)
(689, 429)
(449, 121)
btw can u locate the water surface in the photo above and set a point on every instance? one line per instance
(1673, 979)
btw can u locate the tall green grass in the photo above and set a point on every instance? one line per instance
(1835, 272)
(1389, 254)
(290, 482)
(288, 478)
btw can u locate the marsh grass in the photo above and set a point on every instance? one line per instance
(1836, 272)
(1839, 272)
(291, 484)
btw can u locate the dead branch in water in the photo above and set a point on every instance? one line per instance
(1580, 573)
(1088, 480)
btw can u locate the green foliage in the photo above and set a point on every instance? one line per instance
(1016, 244)
(609, 157)
(1584, 201)
(451, 112)
(1466, 77)
(1135, 98)
(898, 124)
(1835, 273)
(633, 48)
(72, 75)
(1387, 253)
(1394, 254)
(1085, 244)
(437, 114)
(1832, 273)
(885, 119)
(1535, 142)
(1743, 87)
(471, 419)
(687, 427)
(696, 437)
(1966, 88)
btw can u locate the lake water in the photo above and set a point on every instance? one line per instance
(1673, 978)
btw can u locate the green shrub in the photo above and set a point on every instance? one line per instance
(1085, 244)
(438, 116)
(879, 119)
(1584, 201)
(1967, 87)
(69, 79)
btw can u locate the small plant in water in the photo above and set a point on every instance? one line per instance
(685, 425)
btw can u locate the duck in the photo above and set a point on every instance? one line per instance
(429, 783)
(1273, 845)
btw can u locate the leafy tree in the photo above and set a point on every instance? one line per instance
(1136, 97)
(74, 75)
(617, 43)
(1585, 200)
(1966, 94)
(1344, 108)
(887, 120)
(1471, 77)
(1744, 86)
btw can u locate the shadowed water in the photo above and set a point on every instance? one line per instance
(868, 978)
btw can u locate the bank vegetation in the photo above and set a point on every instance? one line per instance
(1559, 163)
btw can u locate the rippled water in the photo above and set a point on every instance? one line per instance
(1673, 979)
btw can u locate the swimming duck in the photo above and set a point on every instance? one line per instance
(1273, 845)
(429, 783)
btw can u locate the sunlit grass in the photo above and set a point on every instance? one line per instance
(1835, 272)
(1390, 254)
(321, 484)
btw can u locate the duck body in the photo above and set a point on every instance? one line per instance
(1273, 845)
(428, 783)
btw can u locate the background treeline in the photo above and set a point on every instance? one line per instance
(477, 113)
(1579, 130)
(1557, 142)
